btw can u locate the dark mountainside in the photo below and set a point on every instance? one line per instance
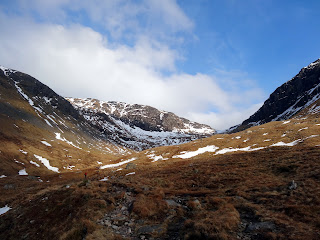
(289, 99)
(42, 95)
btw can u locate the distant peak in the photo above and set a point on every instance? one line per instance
(6, 70)
(312, 65)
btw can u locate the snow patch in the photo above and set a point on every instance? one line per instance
(46, 163)
(58, 136)
(47, 100)
(104, 179)
(302, 129)
(4, 209)
(69, 167)
(278, 144)
(18, 162)
(211, 148)
(3, 176)
(246, 149)
(156, 158)
(46, 143)
(23, 172)
(24, 152)
(47, 122)
(25, 96)
(118, 164)
(132, 173)
(34, 163)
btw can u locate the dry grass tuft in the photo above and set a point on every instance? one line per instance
(148, 207)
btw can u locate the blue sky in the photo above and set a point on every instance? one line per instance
(211, 61)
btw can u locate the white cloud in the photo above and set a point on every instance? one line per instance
(77, 61)
(171, 13)
(120, 17)
(225, 119)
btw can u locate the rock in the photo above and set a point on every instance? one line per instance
(194, 204)
(107, 223)
(145, 188)
(115, 227)
(123, 208)
(9, 186)
(172, 203)
(255, 226)
(131, 166)
(33, 177)
(293, 185)
(151, 229)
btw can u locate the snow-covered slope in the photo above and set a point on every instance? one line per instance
(139, 126)
(293, 97)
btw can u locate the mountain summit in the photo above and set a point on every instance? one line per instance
(291, 98)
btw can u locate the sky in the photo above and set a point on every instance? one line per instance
(210, 61)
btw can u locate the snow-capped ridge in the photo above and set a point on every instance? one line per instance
(139, 126)
(313, 64)
(7, 71)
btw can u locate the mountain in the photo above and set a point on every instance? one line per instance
(41, 131)
(293, 97)
(261, 183)
(138, 126)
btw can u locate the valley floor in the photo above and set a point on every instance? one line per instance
(246, 195)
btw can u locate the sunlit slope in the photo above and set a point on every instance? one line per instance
(295, 132)
(41, 132)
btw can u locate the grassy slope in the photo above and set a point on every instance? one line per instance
(23, 129)
(239, 194)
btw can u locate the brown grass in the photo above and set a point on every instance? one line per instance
(149, 207)
(206, 197)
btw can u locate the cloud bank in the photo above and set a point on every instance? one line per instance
(77, 61)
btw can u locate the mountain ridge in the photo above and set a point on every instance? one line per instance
(126, 123)
(292, 97)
